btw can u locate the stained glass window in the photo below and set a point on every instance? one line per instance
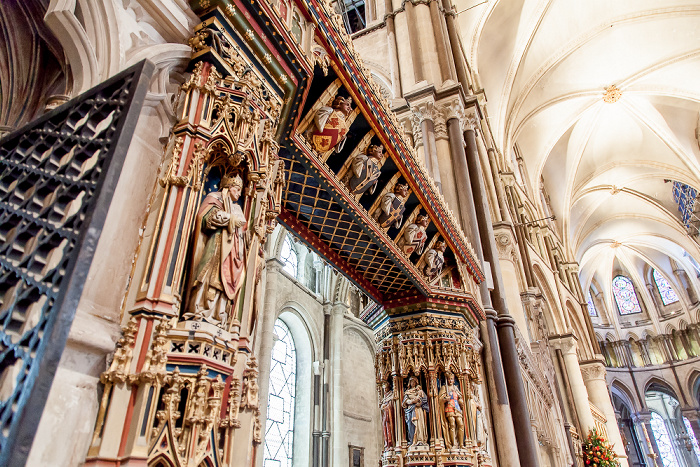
(591, 306)
(693, 439)
(668, 296)
(625, 296)
(663, 441)
(289, 257)
(279, 428)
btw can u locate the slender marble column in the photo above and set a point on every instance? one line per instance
(578, 387)
(340, 451)
(594, 377)
(500, 407)
(527, 447)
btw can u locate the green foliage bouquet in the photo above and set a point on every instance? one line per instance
(597, 452)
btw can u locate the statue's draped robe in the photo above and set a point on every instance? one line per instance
(329, 130)
(365, 173)
(413, 239)
(387, 409)
(416, 419)
(219, 260)
(391, 211)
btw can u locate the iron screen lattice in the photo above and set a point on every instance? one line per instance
(57, 178)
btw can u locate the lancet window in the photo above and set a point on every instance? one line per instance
(693, 439)
(288, 256)
(279, 428)
(591, 306)
(625, 296)
(668, 296)
(663, 441)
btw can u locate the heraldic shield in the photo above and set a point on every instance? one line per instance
(333, 132)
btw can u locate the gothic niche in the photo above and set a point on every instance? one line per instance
(430, 401)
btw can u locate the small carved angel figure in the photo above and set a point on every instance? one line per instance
(365, 170)
(413, 238)
(435, 260)
(387, 409)
(330, 127)
(392, 207)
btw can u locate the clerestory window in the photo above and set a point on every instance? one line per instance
(625, 296)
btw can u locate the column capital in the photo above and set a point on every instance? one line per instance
(452, 108)
(424, 110)
(592, 370)
(692, 413)
(566, 343)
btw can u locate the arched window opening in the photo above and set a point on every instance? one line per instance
(663, 441)
(353, 12)
(591, 306)
(625, 296)
(288, 256)
(668, 296)
(691, 435)
(279, 428)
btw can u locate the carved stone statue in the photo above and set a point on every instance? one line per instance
(452, 416)
(387, 409)
(392, 207)
(414, 236)
(219, 255)
(415, 405)
(365, 170)
(435, 260)
(330, 128)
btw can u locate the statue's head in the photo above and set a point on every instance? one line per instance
(423, 220)
(234, 185)
(412, 382)
(386, 387)
(450, 377)
(401, 190)
(343, 104)
(440, 246)
(375, 151)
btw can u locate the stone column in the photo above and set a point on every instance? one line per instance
(423, 114)
(644, 420)
(527, 447)
(265, 338)
(340, 449)
(594, 378)
(568, 347)
(501, 416)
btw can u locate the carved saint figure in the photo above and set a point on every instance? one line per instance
(219, 255)
(415, 405)
(452, 416)
(392, 207)
(330, 127)
(387, 409)
(365, 170)
(414, 236)
(435, 260)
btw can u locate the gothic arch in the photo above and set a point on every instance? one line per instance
(654, 383)
(621, 390)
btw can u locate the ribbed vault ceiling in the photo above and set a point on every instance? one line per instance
(545, 67)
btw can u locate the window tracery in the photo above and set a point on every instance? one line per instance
(693, 439)
(663, 441)
(668, 296)
(625, 296)
(591, 306)
(288, 256)
(279, 428)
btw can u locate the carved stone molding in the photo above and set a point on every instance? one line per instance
(505, 244)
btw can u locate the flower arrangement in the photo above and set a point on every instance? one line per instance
(597, 452)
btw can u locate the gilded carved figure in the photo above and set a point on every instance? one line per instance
(330, 126)
(435, 260)
(415, 405)
(365, 170)
(387, 410)
(219, 255)
(414, 236)
(392, 207)
(452, 413)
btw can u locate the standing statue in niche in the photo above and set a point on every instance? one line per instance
(330, 127)
(435, 260)
(415, 405)
(219, 255)
(364, 170)
(452, 416)
(392, 207)
(413, 238)
(387, 409)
